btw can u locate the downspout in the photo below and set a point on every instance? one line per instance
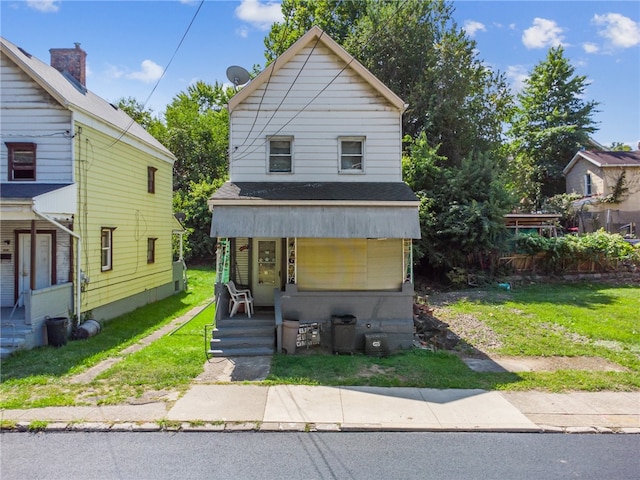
(78, 273)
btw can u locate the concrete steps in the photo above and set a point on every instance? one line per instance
(13, 337)
(243, 337)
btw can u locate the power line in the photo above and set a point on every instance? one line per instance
(164, 71)
(369, 40)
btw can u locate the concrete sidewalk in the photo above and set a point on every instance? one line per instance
(232, 407)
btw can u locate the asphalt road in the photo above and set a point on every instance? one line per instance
(252, 455)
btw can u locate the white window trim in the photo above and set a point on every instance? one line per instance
(288, 138)
(352, 171)
(108, 249)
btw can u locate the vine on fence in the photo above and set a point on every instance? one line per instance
(594, 252)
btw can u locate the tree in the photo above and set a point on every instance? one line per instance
(197, 132)
(549, 125)
(416, 49)
(620, 147)
(461, 209)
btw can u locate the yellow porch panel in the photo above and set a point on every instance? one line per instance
(349, 264)
(112, 179)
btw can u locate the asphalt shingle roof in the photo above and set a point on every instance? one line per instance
(345, 191)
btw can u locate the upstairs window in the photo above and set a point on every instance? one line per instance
(280, 154)
(151, 179)
(22, 161)
(587, 185)
(351, 154)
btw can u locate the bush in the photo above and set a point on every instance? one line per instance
(602, 250)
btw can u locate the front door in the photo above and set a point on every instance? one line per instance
(42, 266)
(266, 270)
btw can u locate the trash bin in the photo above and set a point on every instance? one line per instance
(343, 333)
(57, 331)
(290, 335)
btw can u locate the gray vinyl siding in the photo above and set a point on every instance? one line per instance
(336, 102)
(29, 114)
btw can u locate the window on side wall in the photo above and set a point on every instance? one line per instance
(151, 179)
(106, 248)
(280, 154)
(22, 161)
(587, 185)
(351, 154)
(151, 250)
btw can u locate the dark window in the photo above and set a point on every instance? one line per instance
(151, 250)
(151, 179)
(280, 155)
(587, 185)
(22, 161)
(351, 154)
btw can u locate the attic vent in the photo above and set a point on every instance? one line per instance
(25, 52)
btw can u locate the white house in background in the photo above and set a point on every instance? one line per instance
(595, 175)
(316, 212)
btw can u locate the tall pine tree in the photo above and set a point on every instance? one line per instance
(550, 124)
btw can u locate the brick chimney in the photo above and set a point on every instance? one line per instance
(71, 60)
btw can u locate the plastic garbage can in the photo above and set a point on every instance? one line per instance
(343, 333)
(57, 331)
(290, 335)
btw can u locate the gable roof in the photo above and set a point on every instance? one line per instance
(72, 95)
(315, 34)
(606, 159)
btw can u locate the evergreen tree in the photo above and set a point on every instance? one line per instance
(549, 125)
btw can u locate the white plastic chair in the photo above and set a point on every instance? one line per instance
(239, 297)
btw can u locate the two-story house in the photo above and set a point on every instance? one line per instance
(85, 201)
(609, 183)
(317, 216)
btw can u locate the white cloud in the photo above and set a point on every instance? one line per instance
(471, 27)
(543, 33)
(44, 5)
(590, 47)
(150, 72)
(258, 14)
(242, 32)
(114, 72)
(620, 30)
(518, 75)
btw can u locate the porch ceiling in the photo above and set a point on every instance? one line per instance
(315, 222)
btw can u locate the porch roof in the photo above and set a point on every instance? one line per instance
(245, 192)
(315, 221)
(28, 190)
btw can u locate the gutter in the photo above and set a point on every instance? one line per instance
(78, 256)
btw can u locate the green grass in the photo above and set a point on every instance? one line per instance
(538, 320)
(40, 377)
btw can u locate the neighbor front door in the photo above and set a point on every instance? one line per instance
(266, 270)
(42, 266)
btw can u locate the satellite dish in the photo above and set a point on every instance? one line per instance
(237, 75)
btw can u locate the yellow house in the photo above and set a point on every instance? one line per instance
(86, 201)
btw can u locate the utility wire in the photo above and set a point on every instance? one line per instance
(164, 71)
(241, 157)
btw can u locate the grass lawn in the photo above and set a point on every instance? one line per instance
(42, 376)
(553, 320)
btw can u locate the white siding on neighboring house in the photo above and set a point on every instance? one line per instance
(23, 101)
(343, 106)
(7, 272)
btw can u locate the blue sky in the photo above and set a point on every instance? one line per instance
(129, 44)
